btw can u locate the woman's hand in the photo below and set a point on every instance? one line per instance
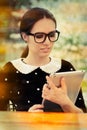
(53, 93)
(59, 95)
(36, 108)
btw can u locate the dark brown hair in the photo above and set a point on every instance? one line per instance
(30, 18)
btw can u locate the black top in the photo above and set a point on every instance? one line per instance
(21, 84)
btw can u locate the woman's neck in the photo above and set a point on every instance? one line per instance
(37, 61)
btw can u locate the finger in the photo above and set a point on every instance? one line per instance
(45, 88)
(45, 91)
(36, 107)
(63, 84)
(39, 110)
(50, 82)
(44, 94)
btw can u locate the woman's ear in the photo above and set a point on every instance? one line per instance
(24, 36)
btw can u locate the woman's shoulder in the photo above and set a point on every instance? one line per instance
(67, 65)
(8, 67)
(6, 71)
(66, 62)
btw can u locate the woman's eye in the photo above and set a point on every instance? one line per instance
(39, 36)
(52, 34)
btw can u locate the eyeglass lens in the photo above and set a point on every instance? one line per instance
(41, 37)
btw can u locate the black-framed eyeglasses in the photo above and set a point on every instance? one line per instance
(40, 37)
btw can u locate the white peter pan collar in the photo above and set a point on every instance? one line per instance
(51, 67)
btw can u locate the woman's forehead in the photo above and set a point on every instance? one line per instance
(44, 24)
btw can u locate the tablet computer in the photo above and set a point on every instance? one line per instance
(73, 80)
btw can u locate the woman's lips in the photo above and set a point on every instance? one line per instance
(45, 49)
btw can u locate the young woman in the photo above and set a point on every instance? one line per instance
(24, 81)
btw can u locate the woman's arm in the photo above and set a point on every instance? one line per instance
(59, 96)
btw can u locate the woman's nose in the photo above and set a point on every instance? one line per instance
(47, 41)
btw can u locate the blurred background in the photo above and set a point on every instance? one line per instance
(72, 23)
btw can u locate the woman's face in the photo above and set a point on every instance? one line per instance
(41, 49)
